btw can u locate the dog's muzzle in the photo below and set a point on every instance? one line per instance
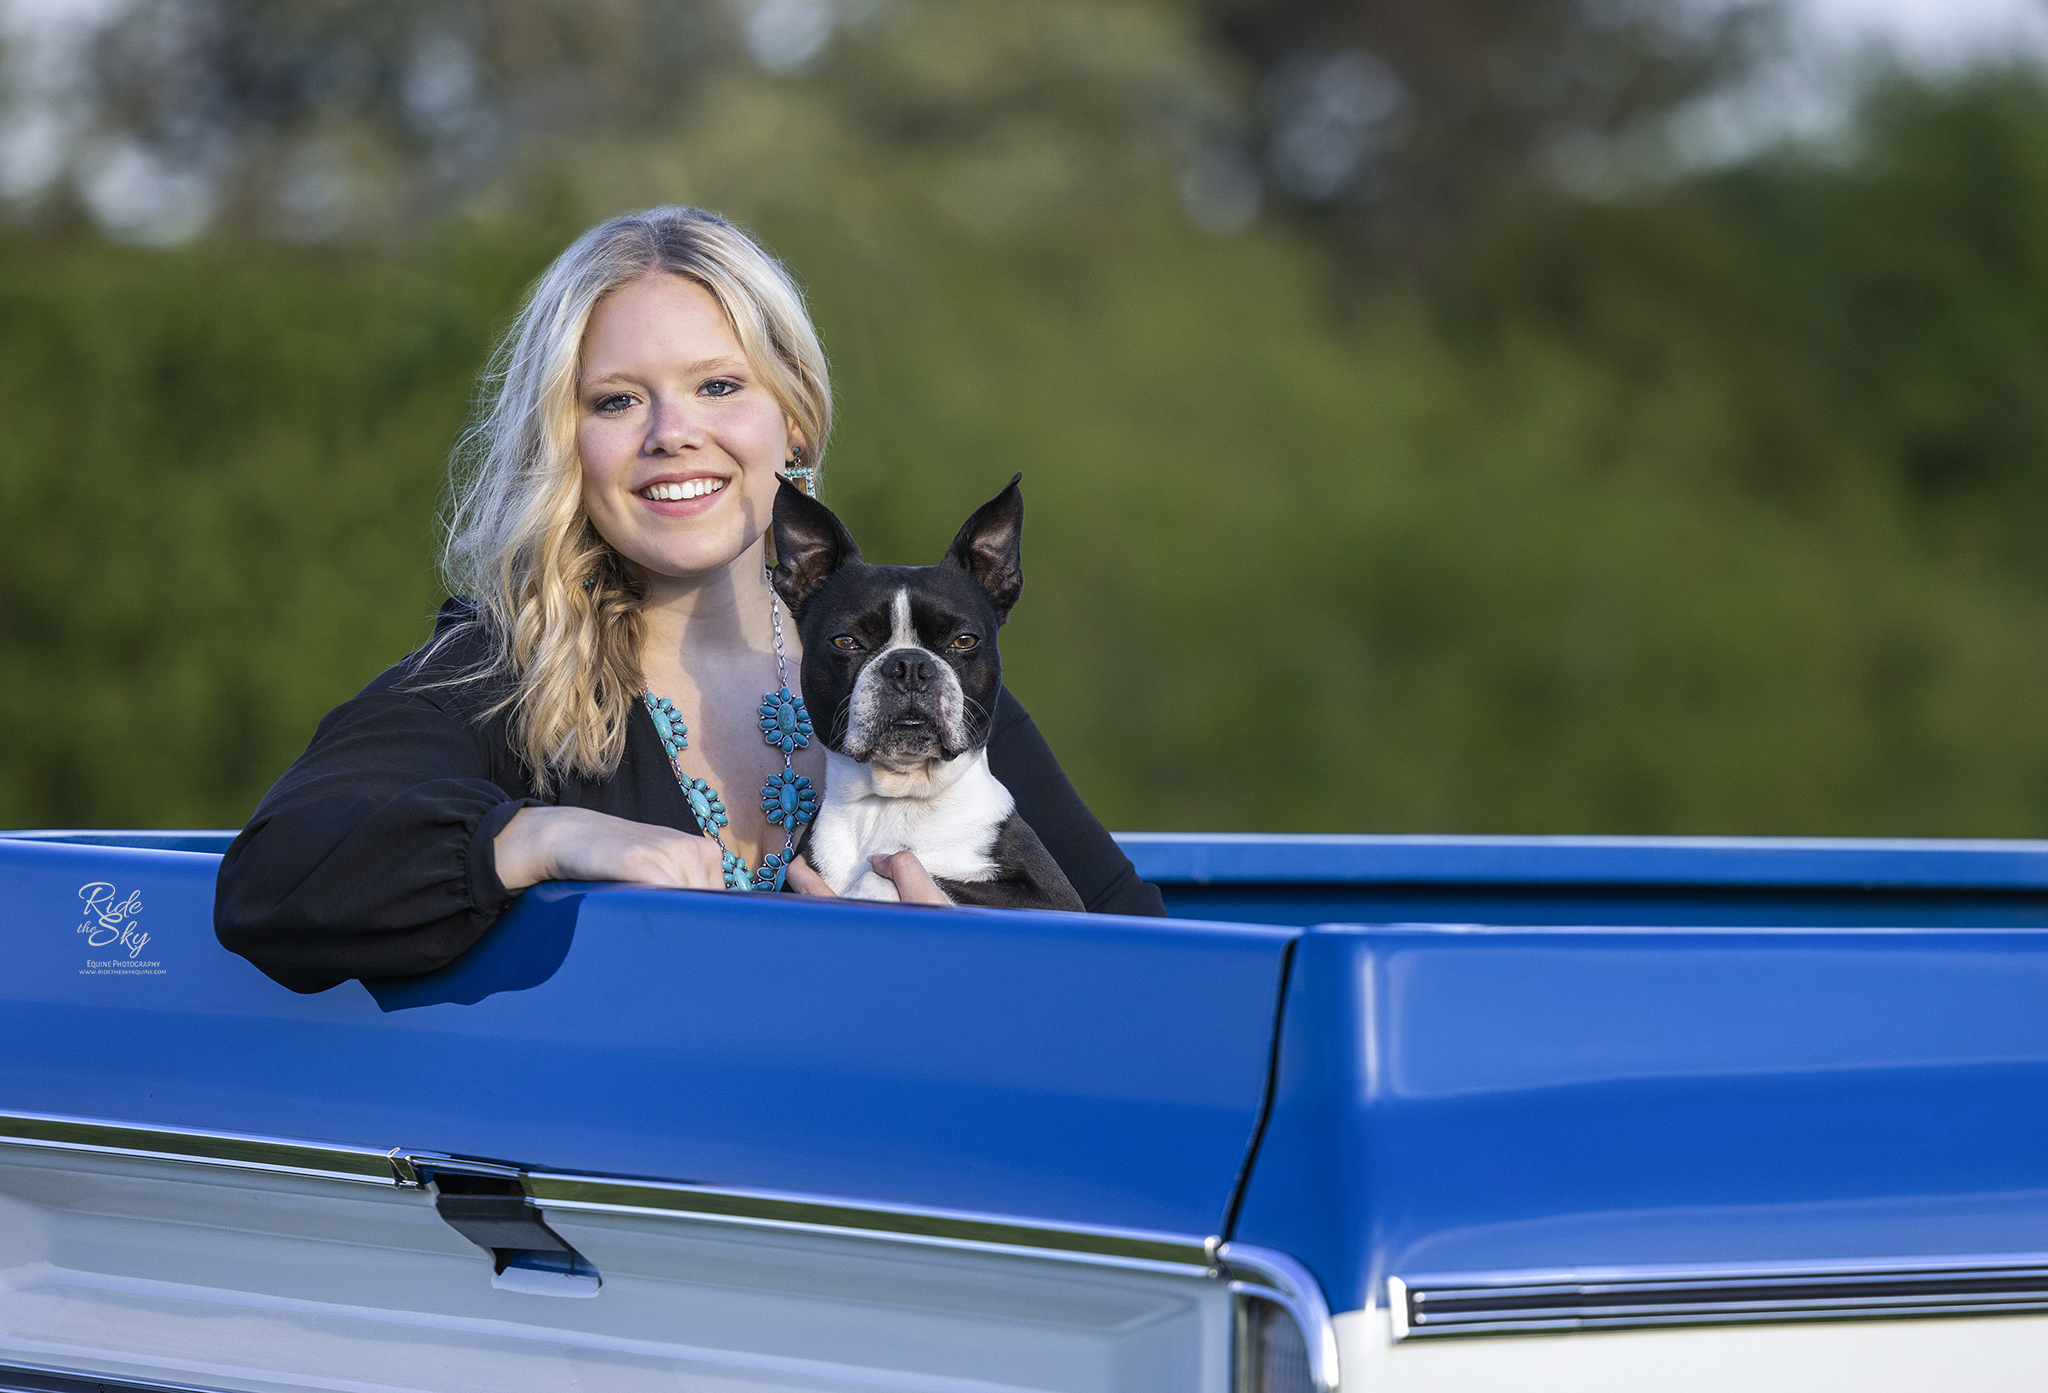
(907, 709)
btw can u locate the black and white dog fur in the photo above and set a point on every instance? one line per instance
(900, 673)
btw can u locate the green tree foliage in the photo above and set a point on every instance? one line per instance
(1703, 509)
(219, 476)
(1396, 121)
(1913, 280)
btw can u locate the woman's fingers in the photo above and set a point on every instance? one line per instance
(694, 862)
(914, 884)
(806, 881)
(578, 844)
(674, 859)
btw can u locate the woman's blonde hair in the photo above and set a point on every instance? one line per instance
(561, 608)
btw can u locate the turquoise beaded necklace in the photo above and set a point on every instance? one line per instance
(787, 798)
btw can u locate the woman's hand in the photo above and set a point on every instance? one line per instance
(914, 884)
(806, 881)
(578, 844)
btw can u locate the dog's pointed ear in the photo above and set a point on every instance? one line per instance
(990, 548)
(810, 544)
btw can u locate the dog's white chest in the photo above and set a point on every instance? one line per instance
(951, 824)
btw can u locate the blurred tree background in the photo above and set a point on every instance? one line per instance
(1416, 438)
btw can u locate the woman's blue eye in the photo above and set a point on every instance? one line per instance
(720, 387)
(615, 403)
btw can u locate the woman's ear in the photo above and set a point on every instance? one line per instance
(810, 544)
(990, 548)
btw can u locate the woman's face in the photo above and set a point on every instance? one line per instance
(680, 442)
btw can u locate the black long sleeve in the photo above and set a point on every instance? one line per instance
(1096, 866)
(372, 855)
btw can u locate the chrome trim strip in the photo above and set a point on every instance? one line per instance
(402, 1170)
(1436, 1306)
(1269, 1276)
(36, 1378)
(951, 1228)
(47, 1131)
(1178, 1253)
(418, 1166)
(1397, 1307)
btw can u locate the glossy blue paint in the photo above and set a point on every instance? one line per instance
(214, 842)
(1493, 1099)
(1772, 1076)
(1304, 879)
(1086, 1070)
(1253, 878)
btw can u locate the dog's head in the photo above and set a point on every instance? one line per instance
(900, 662)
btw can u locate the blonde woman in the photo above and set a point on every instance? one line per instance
(602, 675)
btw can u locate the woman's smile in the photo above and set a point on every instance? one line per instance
(682, 496)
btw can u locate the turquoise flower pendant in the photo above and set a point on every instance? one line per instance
(774, 870)
(675, 736)
(705, 804)
(789, 800)
(784, 721)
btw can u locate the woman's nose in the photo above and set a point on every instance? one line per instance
(672, 429)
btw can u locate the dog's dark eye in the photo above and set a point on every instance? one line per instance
(845, 643)
(965, 642)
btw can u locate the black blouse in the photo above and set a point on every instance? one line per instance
(373, 856)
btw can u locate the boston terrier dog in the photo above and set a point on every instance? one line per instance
(900, 674)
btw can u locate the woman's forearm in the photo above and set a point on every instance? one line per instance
(579, 844)
(520, 849)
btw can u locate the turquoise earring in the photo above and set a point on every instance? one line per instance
(804, 476)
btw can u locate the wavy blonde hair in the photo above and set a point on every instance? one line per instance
(561, 608)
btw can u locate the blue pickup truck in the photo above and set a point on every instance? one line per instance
(1377, 1113)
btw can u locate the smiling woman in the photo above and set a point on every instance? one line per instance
(615, 655)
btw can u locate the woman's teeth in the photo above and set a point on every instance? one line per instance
(675, 493)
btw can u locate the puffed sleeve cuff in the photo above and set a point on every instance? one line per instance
(488, 897)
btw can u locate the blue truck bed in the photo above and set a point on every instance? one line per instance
(1369, 1109)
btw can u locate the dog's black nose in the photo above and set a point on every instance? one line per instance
(909, 671)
